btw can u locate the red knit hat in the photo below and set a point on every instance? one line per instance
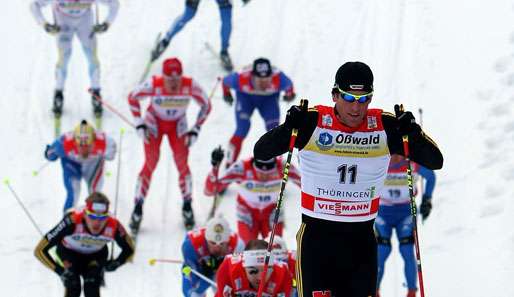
(171, 67)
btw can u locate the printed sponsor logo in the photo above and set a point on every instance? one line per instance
(56, 231)
(326, 120)
(325, 141)
(339, 208)
(350, 139)
(372, 122)
(356, 87)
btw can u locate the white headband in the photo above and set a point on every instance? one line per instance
(255, 258)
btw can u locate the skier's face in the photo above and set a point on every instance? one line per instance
(217, 250)
(84, 150)
(254, 275)
(95, 225)
(351, 113)
(261, 83)
(172, 82)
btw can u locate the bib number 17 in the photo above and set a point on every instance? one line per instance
(346, 172)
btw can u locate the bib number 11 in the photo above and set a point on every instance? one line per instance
(345, 172)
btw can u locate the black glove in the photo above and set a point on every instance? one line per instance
(161, 47)
(112, 265)
(295, 116)
(69, 278)
(52, 28)
(192, 136)
(406, 123)
(217, 156)
(288, 97)
(227, 97)
(425, 207)
(245, 1)
(47, 152)
(142, 131)
(101, 28)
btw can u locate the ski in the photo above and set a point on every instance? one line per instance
(225, 61)
(57, 125)
(98, 121)
(149, 63)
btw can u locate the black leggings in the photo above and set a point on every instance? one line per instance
(89, 266)
(336, 259)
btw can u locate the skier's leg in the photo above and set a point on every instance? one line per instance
(406, 239)
(247, 223)
(243, 112)
(93, 274)
(71, 176)
(182, 20)
(94, 176)
(152, 152)
(270, 112)
(89, 46)
(72, 262)
(267, 221)
(180, 156)
(64, 46)
(225, 7)
(383, 232)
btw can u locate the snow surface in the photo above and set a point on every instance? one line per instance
(454, 59)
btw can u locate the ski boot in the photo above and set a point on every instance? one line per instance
(187, 215)
(58, 103)
(160, 48)
(136, 218)
(226, 62)
(96, 101)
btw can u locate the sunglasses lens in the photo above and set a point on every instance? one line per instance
(351, 98)
(348, 98)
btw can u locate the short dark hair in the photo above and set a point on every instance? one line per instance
(97, 197)
(256, 244)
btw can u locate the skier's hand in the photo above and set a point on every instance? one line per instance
(161, 47)
(289, 96)
(142, 131)
(192, 135)
(50, 153)
(295, 116)
(69, 278)
(406, 123)
(245, 1)
(217, 156)
(101, 28)
(227, 97)
(52, 28)
(425, 207)
(112, 265)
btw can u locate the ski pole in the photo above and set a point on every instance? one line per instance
(413, 209)
(213, 90)
(420, 110)
(212, 212)
(303, 105)
(186, 270)
(38, 171)
(111, 108)
(11, 189)
(122, 132)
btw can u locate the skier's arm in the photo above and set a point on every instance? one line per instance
(55, 150)
(286, 84)
(422, 149)
(190, 257)
(430, 179)
(124, 241)
(276, 141)
(51, 239)
(230, 81)
(223, 279)
(110, 148)
(202, 100)
(114, 6)
(35, 8)
(140, 93)
(234, 173)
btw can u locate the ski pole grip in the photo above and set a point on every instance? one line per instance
(304, 104)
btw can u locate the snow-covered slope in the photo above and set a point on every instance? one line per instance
(454, 59)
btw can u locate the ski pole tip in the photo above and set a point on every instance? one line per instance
(152, 261)
(6, 181)
(122, 130)
(34, 173)
(108, 174)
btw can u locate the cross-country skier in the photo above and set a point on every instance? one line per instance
(281, 253)
(75, 17)
(241, 275)
(344, 153)
(83, 152)
(395, 213)
(81, 238)
(259, 185)
(225, 8)
(170, 95)
(203, 250)
(257, 86)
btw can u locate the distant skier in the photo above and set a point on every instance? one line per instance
(257, 86)
(225, 7)
(395, 213)
(170, 94)
(75, 17)
(81, 238)
(241, 275)
(83, 152)
(257, 197)
(203, 250)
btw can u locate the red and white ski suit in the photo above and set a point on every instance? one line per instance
(166, 115)
(257, 197)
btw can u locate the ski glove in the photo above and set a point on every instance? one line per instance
(69, 278)
(245, 1)
(227, 97)
(50, 153)
(161, 47)
(192, 136)
(217, 156)
(112, 265)
(52, 28)
(101, 28)
(406, 123)
(295, 116)
(289, 96)
(142, 131)
(425, 207)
